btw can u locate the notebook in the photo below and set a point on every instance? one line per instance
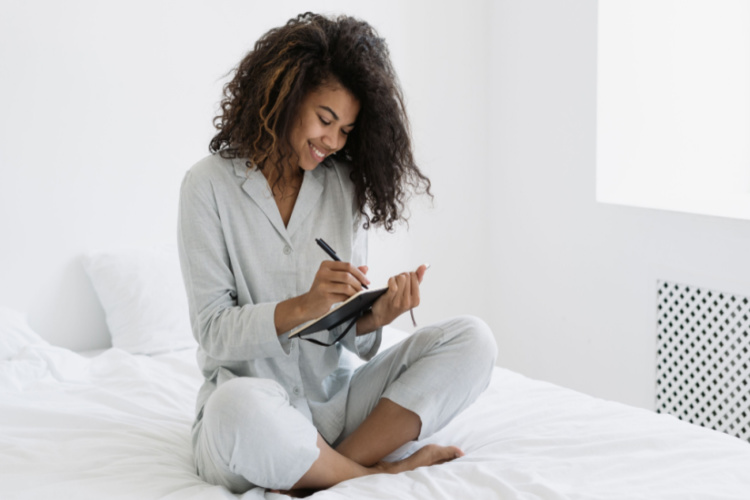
(353, 307)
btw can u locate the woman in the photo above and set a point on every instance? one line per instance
(284, 413)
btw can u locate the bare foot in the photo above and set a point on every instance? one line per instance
(432, 454)
(332, 468)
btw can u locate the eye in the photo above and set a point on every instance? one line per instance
(323, 121)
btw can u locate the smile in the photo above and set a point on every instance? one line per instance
(316, 153)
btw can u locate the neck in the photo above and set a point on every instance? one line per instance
(284, 185)
(289, 172)
(273, 177)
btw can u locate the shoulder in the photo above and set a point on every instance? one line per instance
(339, 180)
(214, 167)
(213, 172)
(340, 171)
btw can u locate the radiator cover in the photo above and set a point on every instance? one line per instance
(703, 357)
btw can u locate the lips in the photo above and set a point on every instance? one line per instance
(317, 154)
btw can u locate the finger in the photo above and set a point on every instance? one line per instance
(344, 272)
(354, 271)
(360, 274)
(414, 289)
(408, 282)
(336, 283)
(339, 286)
(337, 265)
(345, 278)
(393, 287)
(421, 270)
(340, 291)
(403, 296)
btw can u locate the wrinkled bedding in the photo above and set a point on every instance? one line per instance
(117, 425)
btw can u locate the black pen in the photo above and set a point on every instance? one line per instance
(322, 244)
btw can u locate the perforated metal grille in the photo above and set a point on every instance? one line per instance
(703, 357)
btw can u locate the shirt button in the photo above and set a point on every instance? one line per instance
(297, 391)
(287, 250)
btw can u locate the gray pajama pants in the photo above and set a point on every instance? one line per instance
(436, 372)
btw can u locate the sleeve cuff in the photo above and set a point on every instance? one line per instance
(268, 344)
(364, 346)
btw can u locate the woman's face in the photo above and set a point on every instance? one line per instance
(326, 117)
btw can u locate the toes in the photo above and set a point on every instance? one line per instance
(433, 454)
(448, 453)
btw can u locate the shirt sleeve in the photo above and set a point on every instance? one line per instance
(224, 330)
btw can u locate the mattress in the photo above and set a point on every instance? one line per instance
(117, 425)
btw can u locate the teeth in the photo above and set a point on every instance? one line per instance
(317, 151)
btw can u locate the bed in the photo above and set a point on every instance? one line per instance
(116, 424)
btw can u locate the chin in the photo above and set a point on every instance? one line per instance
(310, 166)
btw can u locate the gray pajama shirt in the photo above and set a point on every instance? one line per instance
(266, 397)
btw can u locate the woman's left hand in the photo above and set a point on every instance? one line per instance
(402, 295)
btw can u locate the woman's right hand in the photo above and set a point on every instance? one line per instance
(334, 282)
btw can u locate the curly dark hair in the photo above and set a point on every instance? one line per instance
(263, 98)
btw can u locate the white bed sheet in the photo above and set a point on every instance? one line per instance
(118, 426)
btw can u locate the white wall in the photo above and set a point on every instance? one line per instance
(655, 57)
(104, 105)
(576, 280)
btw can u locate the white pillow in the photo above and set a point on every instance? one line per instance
(15, 333)
(143, 297)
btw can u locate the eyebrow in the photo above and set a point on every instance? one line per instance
(335, 116)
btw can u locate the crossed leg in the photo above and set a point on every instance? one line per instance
(386, 428)
(419, 363)
(401, 395)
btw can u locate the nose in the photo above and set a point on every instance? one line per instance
(331, 142)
